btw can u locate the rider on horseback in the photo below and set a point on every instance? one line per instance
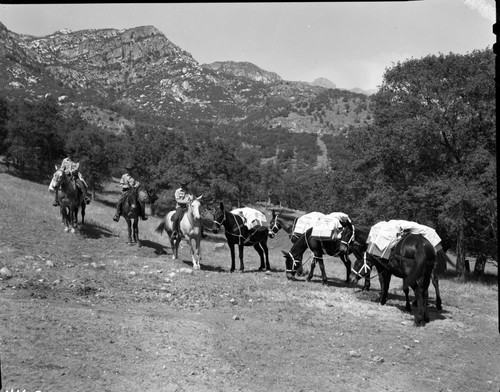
(127, 182)
(71, 169)
(182, 198)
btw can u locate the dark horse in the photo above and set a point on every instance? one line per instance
(70, 199)
(237, 233)
(355, 240)
(131, 213)
(293, 258)
(413, 260)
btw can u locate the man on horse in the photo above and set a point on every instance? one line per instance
(127, 182)
(71, 170)
(182, 199)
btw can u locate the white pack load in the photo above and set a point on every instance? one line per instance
(330, 226)
(384, 235)
(251, 216)
(306, 221)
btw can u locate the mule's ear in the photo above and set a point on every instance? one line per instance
(221, 206)
(285, 254)
(57, 168)
(199, 197)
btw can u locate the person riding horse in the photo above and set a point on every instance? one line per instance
(71, 169)
(182, 198)
(127, 182)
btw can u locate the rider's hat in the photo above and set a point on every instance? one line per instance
(129, 166)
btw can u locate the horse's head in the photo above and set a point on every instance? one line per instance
(57, 178)
(194, 206)
(219, 218)
(346, 237)
(292, 265)
(274, 225)
(361, 267)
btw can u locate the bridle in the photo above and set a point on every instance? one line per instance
(364, 268)
(294, 265)
(274, 227)
(351, 239)
(219, 224)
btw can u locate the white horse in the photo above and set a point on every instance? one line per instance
(189, 229)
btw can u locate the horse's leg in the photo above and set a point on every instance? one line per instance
(197, 252)
(367, 282)
(194, 253)
(347, 262)
(64, 215)
(82, 211)
(311, 272)
(425, 295)
(129, 227)
(241, 247)
(231, 248)
(406, 290)
(419, 316)
(260, 251)
(435, 283)
(266, 254)
(384, 277)
(323, 273)
(136, 230)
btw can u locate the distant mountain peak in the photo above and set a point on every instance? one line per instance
(323, 82)
(244, 68)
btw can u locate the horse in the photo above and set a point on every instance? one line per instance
(237, 233)
(413, 260)
(189, 227)
(131, 213)
(354, 240)
(70, 199)
(293, 258)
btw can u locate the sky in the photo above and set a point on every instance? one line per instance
(349, 43)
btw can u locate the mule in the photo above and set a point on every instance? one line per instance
(293, 258)
(237, 233)
(413, 260)
(189, 229)
(70, 198)
(355, 239)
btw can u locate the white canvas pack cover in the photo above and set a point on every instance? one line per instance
(384, 235)
(329, 226)
(252, 216)
(306, 222)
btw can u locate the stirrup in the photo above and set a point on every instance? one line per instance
(144, 218)
(56, 203)
(116, 218)
(87, 200)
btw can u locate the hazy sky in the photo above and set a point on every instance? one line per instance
(349, 43)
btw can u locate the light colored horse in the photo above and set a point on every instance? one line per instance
(189, 227)
(70, 199)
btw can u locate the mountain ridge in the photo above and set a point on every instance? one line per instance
(142, 69)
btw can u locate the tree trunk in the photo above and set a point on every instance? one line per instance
(460, 266)
(480, 264)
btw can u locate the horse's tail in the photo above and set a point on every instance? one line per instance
(161, 227)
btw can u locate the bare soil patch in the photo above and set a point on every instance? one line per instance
(89, 312)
